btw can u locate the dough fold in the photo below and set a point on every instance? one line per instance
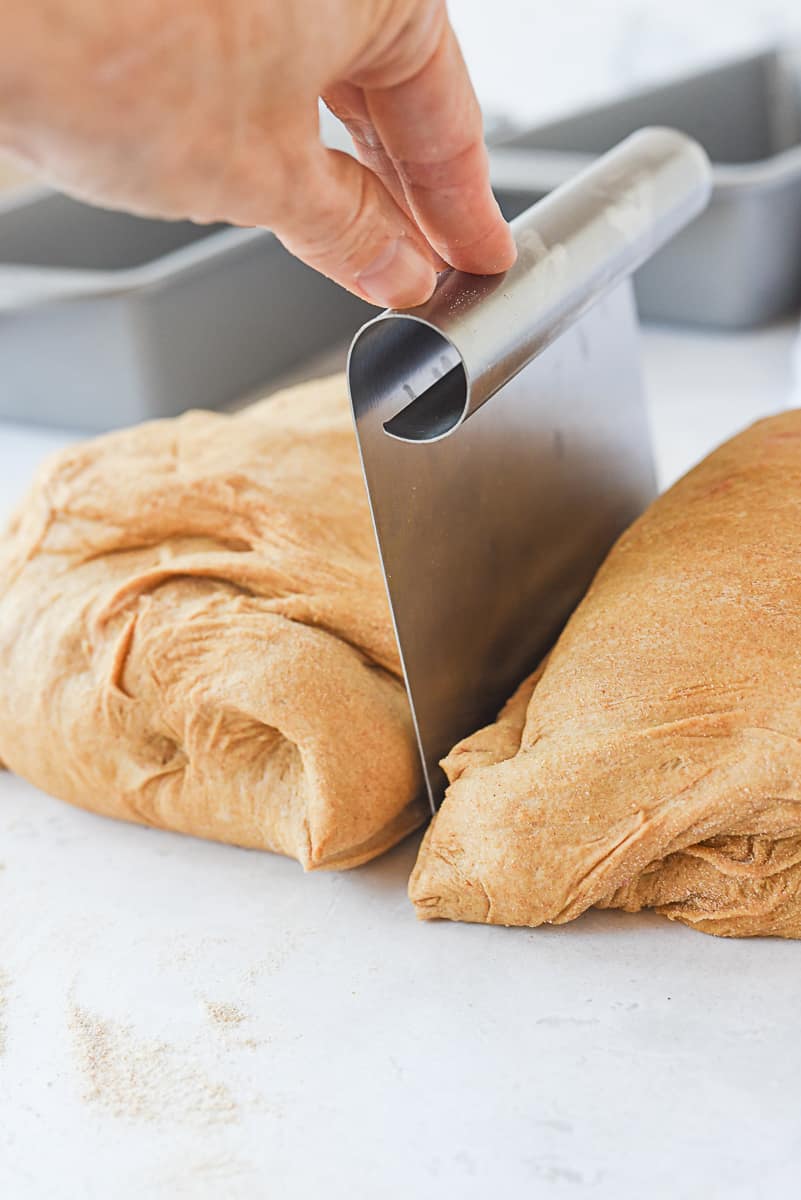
(194, 635)
(655, 760)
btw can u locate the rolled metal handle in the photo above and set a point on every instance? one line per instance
(442, 361)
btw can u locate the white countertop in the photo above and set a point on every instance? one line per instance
(180, 1019)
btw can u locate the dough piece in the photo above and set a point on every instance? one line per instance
(656, 762)
(194, 635)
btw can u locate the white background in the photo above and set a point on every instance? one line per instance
(531, 58)
(179, 1019)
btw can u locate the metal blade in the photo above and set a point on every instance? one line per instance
(490, 528)
(490, 537)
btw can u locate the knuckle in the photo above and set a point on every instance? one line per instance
(455, 169)
(351, 234)
(332, 232)
(409, 39)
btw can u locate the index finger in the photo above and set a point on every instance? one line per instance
(431, 127)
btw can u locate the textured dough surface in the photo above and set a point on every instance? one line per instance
(194, 634)
(655, 761)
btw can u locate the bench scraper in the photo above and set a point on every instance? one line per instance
(491, 518)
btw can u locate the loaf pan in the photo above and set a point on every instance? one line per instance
(108, 319)
(739, 264)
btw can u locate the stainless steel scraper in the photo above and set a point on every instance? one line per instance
(491, 518)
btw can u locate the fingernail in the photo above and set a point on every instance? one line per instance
(400, 277)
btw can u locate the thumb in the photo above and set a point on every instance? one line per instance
(343, 222)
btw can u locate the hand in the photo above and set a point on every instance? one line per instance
(208, 109)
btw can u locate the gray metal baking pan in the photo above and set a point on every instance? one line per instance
(739, 264)
(107, 319)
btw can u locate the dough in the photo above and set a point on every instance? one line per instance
(194, 635)
(656, 759)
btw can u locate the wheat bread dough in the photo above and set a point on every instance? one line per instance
(194, 634)
(655, 759)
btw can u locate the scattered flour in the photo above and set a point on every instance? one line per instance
(145, 1080)
(225, 1014)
